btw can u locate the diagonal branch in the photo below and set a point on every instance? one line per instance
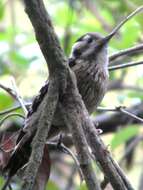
(125, 65)
(39, 140)
(110, 122)
(75, 114)
(18, 97)
(6, 111)
(72, 118)
(129, 51)
(8, 90)
(122, 110)
(57, 68)
(15, 94)
(47, 39)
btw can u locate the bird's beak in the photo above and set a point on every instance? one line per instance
(102, 42)
(108, 38)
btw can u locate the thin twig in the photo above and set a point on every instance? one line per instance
(13, 109)
(15, 94)
(110, 109)
(8, 90)
(75, 160)
(125, 65)
(128, 51)
(114, 31)
(122, 110)
(66, 150)
(130, 114)
(6, 184)
(109, 123)
(11, 115)
(131, 146)
(9, 186)
(18, 97)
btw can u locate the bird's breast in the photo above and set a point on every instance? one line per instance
(92, 80)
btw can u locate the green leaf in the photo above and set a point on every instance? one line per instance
(82, 187)
(4, 68)
(123, 135)
(20, 60)
(136, 95)
(7, 35)
(59, 12)
(2, 9)
(1, 182)
(51, 185)
(108, 16)
(5, 101)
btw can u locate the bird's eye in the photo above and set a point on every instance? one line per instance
(72, 62)
(76, 52)
(89, 40)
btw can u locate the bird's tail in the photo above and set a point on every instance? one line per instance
(18, 159)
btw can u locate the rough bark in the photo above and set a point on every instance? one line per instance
(83, 131)
(58, 70)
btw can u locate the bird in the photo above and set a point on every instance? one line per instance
(89, 61)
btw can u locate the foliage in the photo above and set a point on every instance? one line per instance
(123, 135)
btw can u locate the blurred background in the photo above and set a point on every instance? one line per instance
(21, 58)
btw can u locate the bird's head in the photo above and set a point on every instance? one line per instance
(93, 44)
(88, 47)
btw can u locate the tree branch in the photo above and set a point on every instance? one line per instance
(72, 117)
(131, 147)
(8, 90)
(15, 94)
(6, 111)
(18, 97)
(57, 65)
(122, 110)
(125, 65)
(75, 111)
(60, 146)
(116, 177)
(129, 51)
(10, 115)
(110, 122)
(39, 140)
(47, 39)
